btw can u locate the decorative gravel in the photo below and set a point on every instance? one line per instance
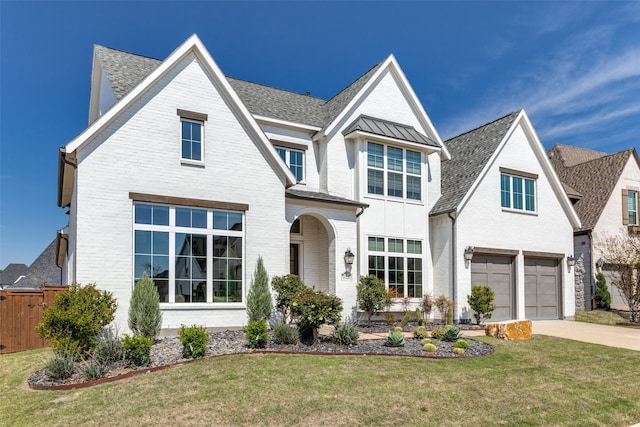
(168, 351)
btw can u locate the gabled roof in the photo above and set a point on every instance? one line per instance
(388, 129)
(44, 270)
(592, 174)
(124, 70)
(12, 273)
(470, 153)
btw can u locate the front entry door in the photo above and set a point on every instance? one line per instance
(294, 259)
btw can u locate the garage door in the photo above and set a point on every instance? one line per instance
(541, 288)
(497, 272)
(616, 299)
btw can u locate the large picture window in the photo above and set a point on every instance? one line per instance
(517, 193)
(398, 263)
(192, 254)
(399, 176)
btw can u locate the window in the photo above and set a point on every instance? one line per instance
(402, 173)
(517, 193)
(294, 159)
(192, 254)
(632, 207)
(191, 140)
(399, 266)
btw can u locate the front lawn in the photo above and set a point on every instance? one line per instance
(601, 317)
(544, 381)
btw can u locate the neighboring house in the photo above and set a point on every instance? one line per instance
(503, 205)
(11, 274)
(604, 188)
(42, 272)
(189, 176)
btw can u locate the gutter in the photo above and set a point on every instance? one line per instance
(62, 162)
(454, 292)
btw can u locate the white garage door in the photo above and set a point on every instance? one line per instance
(497, 272)
(541, 289)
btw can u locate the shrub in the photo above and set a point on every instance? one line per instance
(76, 317)
(257, 335)
(60, 367)
(481, 302)
(430, 347)
(451, 334)
(346, 333)
(394, 339)
(194, 340)
(427, 305)
(372, 295)
(406, 319)
(286, 287)
(427, 341)
(315, 309)
(461, 344)
(145, 317)
(442, 303)
(93, 370)
(109, 348)
(420, 332)
(602, 297)
(457, 350)
(437, 333)
(476, 327)
(285, 334)
(137, 349)
(389, 318)
(259, 304)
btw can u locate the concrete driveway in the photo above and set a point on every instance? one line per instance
(612, 336)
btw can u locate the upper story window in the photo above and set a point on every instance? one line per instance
(518, 191)
(398, 176)
(630, 207)
(294, 159)
(192, 135)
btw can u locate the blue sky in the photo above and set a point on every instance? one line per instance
(573, 66)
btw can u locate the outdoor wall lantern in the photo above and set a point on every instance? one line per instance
(600, 264)
(468, 253)
(348, 261)
(571, 261)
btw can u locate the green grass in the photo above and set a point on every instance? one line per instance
(600, 316)
(543, 381)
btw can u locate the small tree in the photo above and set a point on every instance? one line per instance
(481, 302)
(259, 304)
(427, 305)
(371, 295)
(314, 309)
(286, 287)
(442, 304)
(622, 255)
(145, 318)
(602, 297)
(75, 318)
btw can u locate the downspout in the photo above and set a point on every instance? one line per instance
(591, 284)
(454, 292)
(62, 237)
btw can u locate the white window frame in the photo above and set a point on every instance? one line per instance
(209, 231)
(512, 197)
(186, 160)
(287, 151)
(629, 211)
(386, 171)
(405, 255)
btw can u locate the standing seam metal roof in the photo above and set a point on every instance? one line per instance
(389, 129)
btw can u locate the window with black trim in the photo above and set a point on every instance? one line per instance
(398, 262)
(394, 171)
(192, 135)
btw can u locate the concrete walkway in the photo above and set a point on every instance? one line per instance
(612, 336)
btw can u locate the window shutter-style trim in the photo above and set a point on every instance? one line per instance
(194, 203)
(192, 115)
(535, 254)
(495, 251)
(625, 207)
(518, 173)
(290, 145)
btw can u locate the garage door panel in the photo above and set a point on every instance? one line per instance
(542, 291)
(497, 273)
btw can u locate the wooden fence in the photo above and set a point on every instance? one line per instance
(20, 313)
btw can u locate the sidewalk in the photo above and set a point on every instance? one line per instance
(611, 336)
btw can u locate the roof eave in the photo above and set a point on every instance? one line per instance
(386, 139)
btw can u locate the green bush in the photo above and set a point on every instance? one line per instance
(458, 350)
(76, 317)
(602, 297)
(60, 367)
(259, 304)
(461, 344)
(420, 332)
(145, 317)
(137, 349)
(285, 334)
(194, 340)
(427, 341)
(481, 302)
(256, 333)
(430, 347)
(315, 309)
(109, 348)
(394, 339)
(93, 370)
(451, 334)
(406, 319)
(286, 287)
(345, 333)
(372, 295)
(437, 333)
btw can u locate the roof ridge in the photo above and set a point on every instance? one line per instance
(601, 158)
(277, 88)
(484, 125)
(366, 116)
(128, 53)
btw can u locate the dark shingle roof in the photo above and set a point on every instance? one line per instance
(389, 129)
(10, 274)
(594, 178)
(470, 152)
(321, 197)
(125, 70)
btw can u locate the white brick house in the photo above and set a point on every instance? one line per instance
(189, 176)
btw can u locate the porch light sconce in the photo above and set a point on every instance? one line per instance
(468, 253)
(348, 261)
(600, 264)
(571, 261)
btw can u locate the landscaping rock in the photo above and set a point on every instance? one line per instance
(510, 330)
